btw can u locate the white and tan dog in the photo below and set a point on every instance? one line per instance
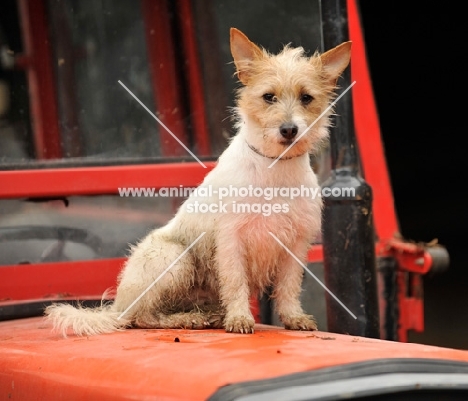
(210, 286)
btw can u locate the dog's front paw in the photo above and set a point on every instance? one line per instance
(239, 324)
(300, 322)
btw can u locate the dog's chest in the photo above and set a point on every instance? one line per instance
(267, 241)
(288, 219)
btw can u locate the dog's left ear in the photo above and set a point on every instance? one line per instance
(335, 61)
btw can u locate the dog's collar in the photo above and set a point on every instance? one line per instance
(270, 157)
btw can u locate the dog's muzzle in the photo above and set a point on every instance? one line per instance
(288, 130)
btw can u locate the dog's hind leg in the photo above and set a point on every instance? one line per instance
(196, 320)
(182, 320)
(159, 276)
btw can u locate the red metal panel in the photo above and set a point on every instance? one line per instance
(194, 81)
(98, 180)
(315, 254)
(68, 279)
(59, 279)
(163, 66)
(37, 364)
(368, 132)
(411, 257)
(410, 303)
(42, 92)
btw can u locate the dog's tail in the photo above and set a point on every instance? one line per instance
(85, 321)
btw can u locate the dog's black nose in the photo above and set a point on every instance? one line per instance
(288, 130)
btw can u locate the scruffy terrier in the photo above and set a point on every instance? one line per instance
(232, 255)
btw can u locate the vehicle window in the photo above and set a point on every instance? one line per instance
(78, 228)
(93, 46)
(96, 44)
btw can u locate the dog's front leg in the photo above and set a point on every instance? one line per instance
(287, 290)
(234, 288)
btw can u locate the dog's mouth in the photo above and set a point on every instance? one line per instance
(286, 142)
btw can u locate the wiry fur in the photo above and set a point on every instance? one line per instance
(210, 286)
(94, 320)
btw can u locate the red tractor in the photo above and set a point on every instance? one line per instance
(73, 147)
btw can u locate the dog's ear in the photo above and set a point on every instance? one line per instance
(335, 61)
(244, 53)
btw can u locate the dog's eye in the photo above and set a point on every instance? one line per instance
(269, 98)
(306, 99)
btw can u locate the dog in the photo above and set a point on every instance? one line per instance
(221, 257)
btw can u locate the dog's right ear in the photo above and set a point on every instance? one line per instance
(244, 53)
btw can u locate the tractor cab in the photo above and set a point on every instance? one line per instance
(108, 111)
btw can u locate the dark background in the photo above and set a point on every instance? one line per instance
(416, 52)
